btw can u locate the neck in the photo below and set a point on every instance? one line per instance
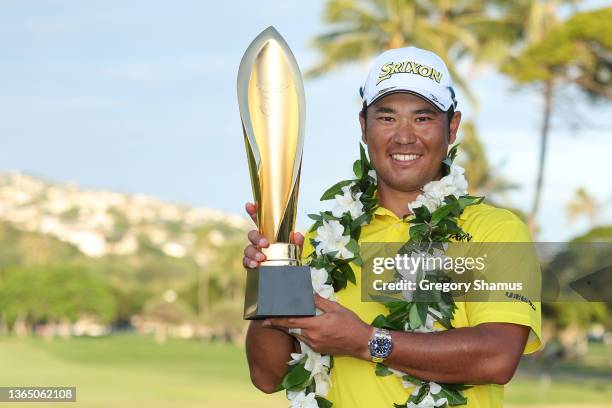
(395, 200)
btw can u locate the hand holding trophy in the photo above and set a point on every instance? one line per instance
(272, 109)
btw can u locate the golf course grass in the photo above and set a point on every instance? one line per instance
(124, 371)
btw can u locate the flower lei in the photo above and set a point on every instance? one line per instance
(435, 213)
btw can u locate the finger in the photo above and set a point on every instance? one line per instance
(251, 209)
(254, 254)
(323, 304)
(298, 239)
(257, 239)
(249, 263)
(288, 323)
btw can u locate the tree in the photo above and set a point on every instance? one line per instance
(55, 292)
(582, 204)
(455, 30)
(576, 52)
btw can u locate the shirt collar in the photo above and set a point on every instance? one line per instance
(382, 211)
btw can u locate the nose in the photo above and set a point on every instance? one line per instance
(404, 134)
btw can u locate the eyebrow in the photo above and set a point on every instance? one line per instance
(385, 109)
(425, 110)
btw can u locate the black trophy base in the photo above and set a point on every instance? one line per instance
(278, 291)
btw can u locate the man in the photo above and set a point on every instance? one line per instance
(408, 122)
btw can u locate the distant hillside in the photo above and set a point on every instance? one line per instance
(101, 222)
(139, 245)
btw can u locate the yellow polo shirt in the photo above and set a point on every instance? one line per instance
(354, 383)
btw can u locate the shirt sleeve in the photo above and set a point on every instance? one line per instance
(505, 227)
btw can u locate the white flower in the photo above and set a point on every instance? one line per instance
(428, 401)
(455, 182)
(434, 388)
(430, 202)
(345, 202)
(372, 173)
(315, 362)
(435, 191)
(318, 277)
(327, 292)
(330, 238)
(322, 383)
(296, 358)
(396, 372)
(299, 399)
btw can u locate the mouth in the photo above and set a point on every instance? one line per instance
(405, 158)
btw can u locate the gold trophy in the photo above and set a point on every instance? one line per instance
(272, 109)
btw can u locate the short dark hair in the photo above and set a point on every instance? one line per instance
(449, 113)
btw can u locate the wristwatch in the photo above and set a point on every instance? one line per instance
(380, 345)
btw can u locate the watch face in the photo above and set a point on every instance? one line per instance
(380, 347)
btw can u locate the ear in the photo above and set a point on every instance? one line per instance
(362, 123)
(453, 127)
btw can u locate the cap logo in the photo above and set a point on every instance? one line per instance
(407, 67)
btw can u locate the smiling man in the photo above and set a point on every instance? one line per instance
(408, 122)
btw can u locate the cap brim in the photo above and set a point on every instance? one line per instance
(439, 107)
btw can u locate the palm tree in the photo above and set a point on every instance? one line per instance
(455, 30)
(578, 52)
(458, 31)
(582, 203)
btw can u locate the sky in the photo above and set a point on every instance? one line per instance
(140, 97)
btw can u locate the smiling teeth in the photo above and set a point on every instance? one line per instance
(405, 157)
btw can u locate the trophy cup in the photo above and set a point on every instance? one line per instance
(272, 109)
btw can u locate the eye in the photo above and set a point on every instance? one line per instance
(386, 118)
(421, 119)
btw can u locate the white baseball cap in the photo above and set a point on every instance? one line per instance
(411, 70)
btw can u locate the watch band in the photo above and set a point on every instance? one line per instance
(380, 339)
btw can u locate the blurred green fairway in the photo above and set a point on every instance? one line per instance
(129, 371)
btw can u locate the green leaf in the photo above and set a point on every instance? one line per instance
(357, 169)
(296, 376)
(440, 213)
(323, 403)
(413, 379)
(348, 273)
(315, 217)
(454, 397)
(382, 370)
(415, 317)
(363, 158)
(353, 246)
(334, 190)
(360, 220)
(388, 301)
(380, 321)
(418, 231)
(466, 201)
(422, 309)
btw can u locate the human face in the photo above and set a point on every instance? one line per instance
(407, 140)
